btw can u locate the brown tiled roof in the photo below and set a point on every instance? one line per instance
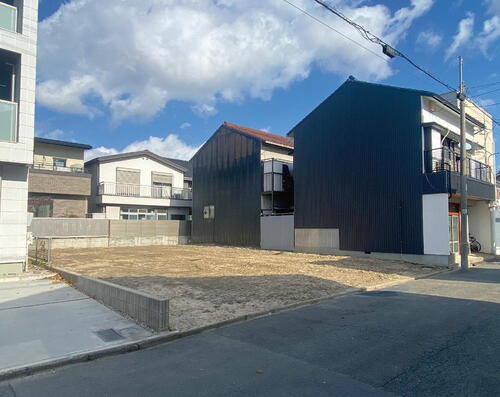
(262, 135)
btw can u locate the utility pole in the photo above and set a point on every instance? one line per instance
(464, 234)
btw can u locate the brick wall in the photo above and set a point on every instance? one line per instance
(59, 206)
(58, 183)
(69, 208)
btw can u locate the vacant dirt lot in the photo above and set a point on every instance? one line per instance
(208, 284)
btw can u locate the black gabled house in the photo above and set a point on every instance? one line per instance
(376, 172)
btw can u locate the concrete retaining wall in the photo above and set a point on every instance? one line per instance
(144, 308)
(69, 227)
(277, 233)
(121, 228)
(144, 241)
(79, 242)
(92, 233)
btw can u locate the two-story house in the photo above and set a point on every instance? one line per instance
(58, 186)
(139, 185)
(239, 175)
(18, 43)
(377, 172)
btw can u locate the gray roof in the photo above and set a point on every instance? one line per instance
(62, 143)
(147, 153)
(185, 164)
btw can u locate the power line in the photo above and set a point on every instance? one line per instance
(392, 52)
(388, 49)
(335, 30)
(485, 93)
(483, 85)
(482, 110)
(487, 105)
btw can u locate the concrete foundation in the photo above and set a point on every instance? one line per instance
(144, 241)
(11, 268)
(319, 241)
(79, 242)
(431, 260)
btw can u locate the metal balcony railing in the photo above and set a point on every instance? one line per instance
(8, 121)
(8, 17)
(146, 191)
(276, 176)
(444, 159)
(53, 167)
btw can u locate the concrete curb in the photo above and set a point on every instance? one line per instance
(86, 356)
(409, 279)
(174, 335)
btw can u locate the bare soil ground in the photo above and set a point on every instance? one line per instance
(209, 284)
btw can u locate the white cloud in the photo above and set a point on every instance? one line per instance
(485, 101)
(493, 6)
(489, 34)
(429, 39)
(464, 35)
(169, 146)
(185, 125)
(54, 134)
(99, 151)
(130, 58)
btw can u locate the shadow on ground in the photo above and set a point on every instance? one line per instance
(200, 301)
(405, 342)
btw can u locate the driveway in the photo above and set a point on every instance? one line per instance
(431, 337)
(47, 319)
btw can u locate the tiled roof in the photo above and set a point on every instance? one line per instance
(262, 135)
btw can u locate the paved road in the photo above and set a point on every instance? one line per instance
(434, 337)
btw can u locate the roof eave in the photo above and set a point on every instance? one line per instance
(119, 156)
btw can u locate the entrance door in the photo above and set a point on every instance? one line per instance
(454, 228)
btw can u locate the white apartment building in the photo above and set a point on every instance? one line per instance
(18, 45)
(140, 186)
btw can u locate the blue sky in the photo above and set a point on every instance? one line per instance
(114, 73)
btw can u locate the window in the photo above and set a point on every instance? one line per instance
(147, 214)
(128, 182)
(60, 163)
(177, 217)
(6, 81)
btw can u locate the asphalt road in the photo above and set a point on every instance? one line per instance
(432, 337)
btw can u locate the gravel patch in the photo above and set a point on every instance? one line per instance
(209, 284)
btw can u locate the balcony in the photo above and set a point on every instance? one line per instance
(53, 167)
(8, 17)
(8, 121)
(277, 176)
(444, 159)
(143, 191)
(442, 175)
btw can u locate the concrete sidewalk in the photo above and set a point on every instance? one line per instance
(46, 319)
(430, 337)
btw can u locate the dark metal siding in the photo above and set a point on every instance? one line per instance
(358, 168)
(449, 182)
(227, 174)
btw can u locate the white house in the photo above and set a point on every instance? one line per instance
(140, 185)
(18, 43)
